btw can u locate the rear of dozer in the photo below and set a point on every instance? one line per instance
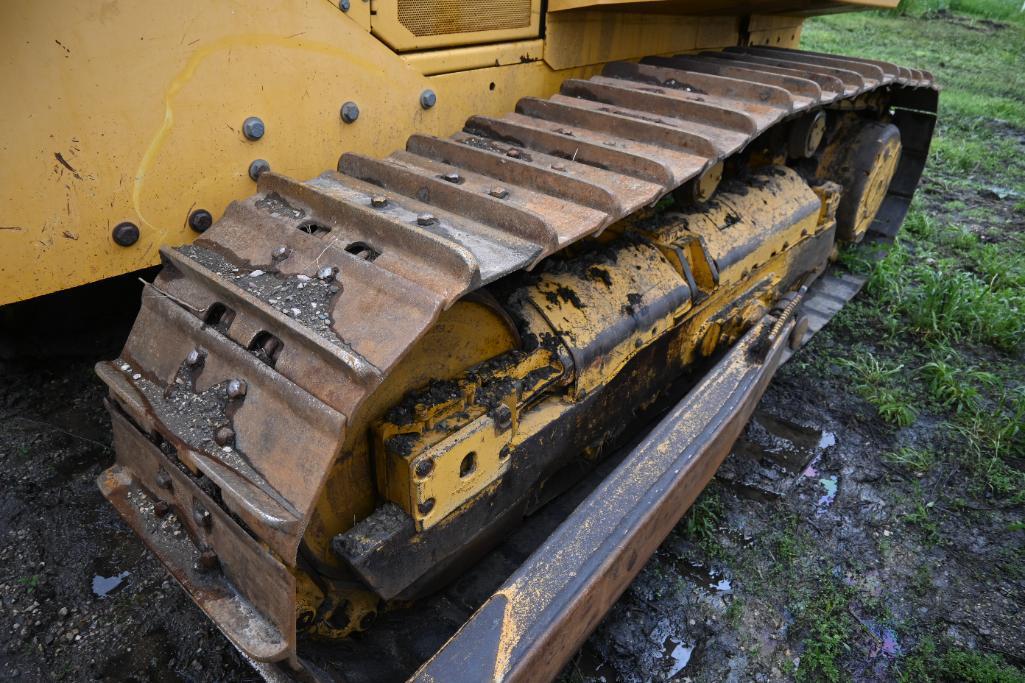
(342, 392)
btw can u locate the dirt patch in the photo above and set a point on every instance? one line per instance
(80, 597)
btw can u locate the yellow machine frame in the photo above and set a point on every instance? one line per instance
(133, 112)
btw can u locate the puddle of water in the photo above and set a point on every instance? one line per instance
(103, 585)
(718, 580)
(886, 637)
(829, 484)
(788, 444)
(678, 653)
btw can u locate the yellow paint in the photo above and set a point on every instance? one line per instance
(884, 166)
(596, 37)
(463, 465)
(386, 25)
(736, 7)
(144, 103)
(449, 60)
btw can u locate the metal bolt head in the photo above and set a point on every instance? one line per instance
(378, 201)
(327, 273)
(224, 436)
(236, 388)
(343, 5)
(513, 153)
(253, 128)
(428, 99)
(350, 110)
(258, 168)
(201, 515)
(498, 192)
(453, 177)
(558, 166)
(426, 219)
(163, 479)
(194, 357)
(200, 220)
(125, 234)
(280, 253)
(424, 467)
(426, 506)
(502, 416)
(208, 561)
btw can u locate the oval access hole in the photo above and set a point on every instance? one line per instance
(468, 465)
(362, 250)
(313, 228)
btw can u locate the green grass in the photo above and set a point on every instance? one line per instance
(922, 516)
(936, 342)
(918, 460)
(701, 523)
(926, 665)
(827, 621)
(978, 66)
(878, 383)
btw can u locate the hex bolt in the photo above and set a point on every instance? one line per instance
(343, 5)
(513, 153)
(426, 506)
(208, 561)
(200, 220)
(498, 192)
(258, 168)
(502, 415)
(236, 388)
(125, 234)
(280, 253)
(327, 273)
(453, 178)
(428, 99)
(201, 516)
(163, 479)
(378, 201)
(424, 467)
(161, 508)
(350, 110)
(224, 436)
(253, 128)
(426, 219)
(558, 167)
(194, 357)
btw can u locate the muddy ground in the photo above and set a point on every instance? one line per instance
(815, 554)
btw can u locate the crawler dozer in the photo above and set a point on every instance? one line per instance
(430, 270)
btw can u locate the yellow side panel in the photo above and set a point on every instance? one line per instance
(736, 7)
(596, 37)
(133, 112)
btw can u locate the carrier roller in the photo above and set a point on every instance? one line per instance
(348, 388)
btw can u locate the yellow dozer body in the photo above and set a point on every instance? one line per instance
(426, 266)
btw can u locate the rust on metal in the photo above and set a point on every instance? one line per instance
(316, 294)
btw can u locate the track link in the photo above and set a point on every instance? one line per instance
(309, 293)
